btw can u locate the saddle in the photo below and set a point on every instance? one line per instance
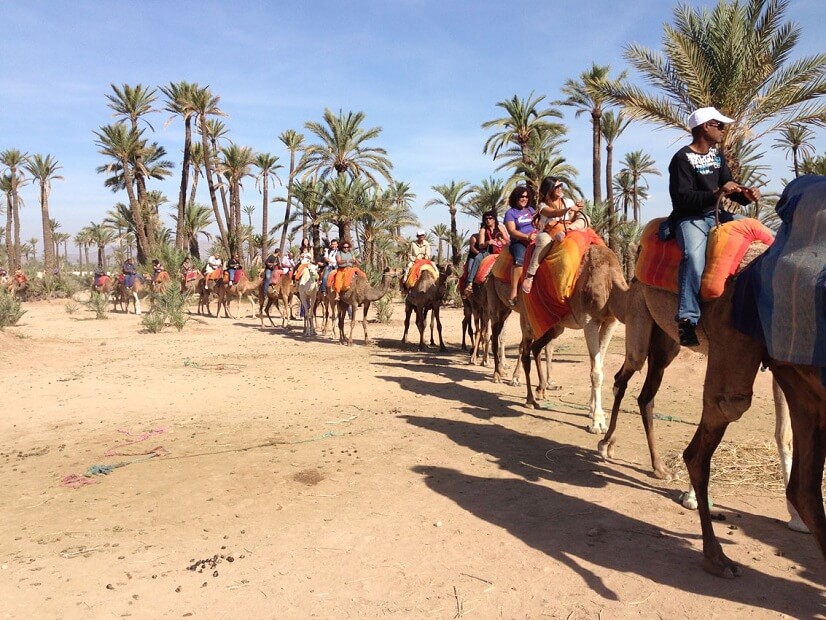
(215, 274)
(344, 278)
(658, 264)
(416, 270)
(101, 280)
(190, 275)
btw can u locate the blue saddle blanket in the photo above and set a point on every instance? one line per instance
(780, 299)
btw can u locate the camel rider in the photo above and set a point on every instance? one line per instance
(270, 265)
(3, 272)
(287, 262)
(213, 262)
(20, 277)
(187, 267)
(418, 250)
(698, 177)
(330, 263)
(157, 269)
(129, 272)
(344, 259)
(233, 265)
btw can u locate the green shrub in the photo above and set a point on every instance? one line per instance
(72, 306)
(170, 307)
(10, 312)
(384, 307)
(98, 303)
(54, 287)
(153, 321)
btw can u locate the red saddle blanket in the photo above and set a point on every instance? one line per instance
(555, 279)
(416, 271)
(215, 274)
(190, 275)
(481, 274)
(101, 280)
(236, 277)
(658, 263)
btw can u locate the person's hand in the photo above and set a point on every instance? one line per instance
(751, 193)
(578, 205)
(730, 188)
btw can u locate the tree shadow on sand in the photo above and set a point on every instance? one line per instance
(577, 532)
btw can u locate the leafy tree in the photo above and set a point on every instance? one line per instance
(638, 164)
(101, 236)
(489, 195)
(587, 95)
(797, 140)
(735, 57)
(453, 196)
(612, 127)
(236, 162)
(14, 161)
(197, 218)
(814, 165)
(294, 142)
(524, 125)
(267, 165)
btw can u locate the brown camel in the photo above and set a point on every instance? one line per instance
(467, 324)
(330, 307)
(18, 290)
(135, 294)
(598, 305)
(361, 294)
(105, 287)
(426, 294)
(159, 284)
(280, 290)
(243, 288)
(476, 313)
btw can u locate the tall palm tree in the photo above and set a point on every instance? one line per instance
(180, 101)
(442, 233)
(294, 142)
(638, 164)
(14, 161)
(82, 240)
(6, 185)
(249, 232)
(524, 123)
(403, 197)
(453, 196)
(343, 149)
(345, 201)
(797, 140)
(206, 105)
(612, 127)
(101, 236)
(625, 193)
(736, 57)
(197, 218)
(489, 195)
(310, 195)
(32, 244)
(43, 170)
(587, 95)
(236, 162)
(267, 165)
(120, 143)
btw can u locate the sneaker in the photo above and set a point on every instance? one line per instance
(688, 334)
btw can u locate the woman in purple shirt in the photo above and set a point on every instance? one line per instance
(519, 223)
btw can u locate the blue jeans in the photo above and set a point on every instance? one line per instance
(692, 237)
(473, 266)
(267, 279)
(518, 249)
(322, 286)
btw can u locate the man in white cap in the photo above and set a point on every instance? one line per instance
(418, 250)
(698, 176)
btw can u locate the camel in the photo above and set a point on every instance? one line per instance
(243, 288)
(598, 305)
(281, 290)
(134, 293)
(467, 324)
(307, 292)
(159, 284)
(105, 287)
(18, 290)
(330, 307)
(476, 306)
(362, 294)
(426, 294)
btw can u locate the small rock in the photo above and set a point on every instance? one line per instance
(215, 573)
(438, 524)
(109, 586)
(178, 589)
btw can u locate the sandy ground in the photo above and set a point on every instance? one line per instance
(267, 476)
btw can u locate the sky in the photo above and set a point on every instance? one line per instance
(428, 72)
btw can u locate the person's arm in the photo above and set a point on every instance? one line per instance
(411, 253)
(506, 238)
(482, 239)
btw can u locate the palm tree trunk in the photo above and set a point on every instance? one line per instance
(48, 239)
(180, 237)
(211, 184)
(636, 200)
(265, 224)
(290, 202)
(596, 154)
(613, 242)
(454, 236)
(9, 241)
(16, 214)
(137, 212)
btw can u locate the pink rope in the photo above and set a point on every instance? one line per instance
(138, 438)
(75, 481)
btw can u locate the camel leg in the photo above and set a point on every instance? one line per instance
(807, 403)
(783, 437)
(436, 316)
(408, 310)
(421, 319)
(592, 340)
(366, 307)
(137, 303)
(496, 333)
(727, 395)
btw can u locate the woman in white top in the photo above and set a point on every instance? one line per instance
(305, 252)
(556, 214)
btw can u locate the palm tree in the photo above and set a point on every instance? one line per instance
(82, 240)
(32, 244)
(453, 196)
(310, 195)
(797, 140)
(101, 236)
(402, 197)
(489, 195)
(612, 127)
(235, 165)
(587, 95)
(43, 169)
(249, 231)
(525, 123)
(121, 143)
(814, 165)
(735, 57)
(625, 193)
(197, 218)
(6, 185)
(442, 233)
(344, 200)
(63, 238)
(294, 142)
(342, 148)
(14, 160)
(206, 104)
(638, 164)
(180, 101)
(267, 165)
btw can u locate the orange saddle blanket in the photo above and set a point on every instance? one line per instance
(416, 270)
(555, 279)
(215, 274)
(658, 264)
(344, 277)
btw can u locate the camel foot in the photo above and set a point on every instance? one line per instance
(443, 349)
(516, 382)
(606, 449)
(532, 404)
(663, 473)
(795, 522)
(597, 428)
(722, 567)
(688, 500)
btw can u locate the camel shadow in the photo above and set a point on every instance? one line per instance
(578, 533)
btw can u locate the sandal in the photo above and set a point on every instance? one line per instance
(527, 284)
(512, 302)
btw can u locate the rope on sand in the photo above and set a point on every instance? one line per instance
(138, 438)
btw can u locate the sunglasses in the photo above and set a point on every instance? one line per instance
(716, 124)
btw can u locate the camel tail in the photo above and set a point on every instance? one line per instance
(618, 301)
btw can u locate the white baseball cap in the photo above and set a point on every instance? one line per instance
(420, 233)
(703, 115)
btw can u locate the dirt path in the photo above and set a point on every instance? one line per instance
(260, 475)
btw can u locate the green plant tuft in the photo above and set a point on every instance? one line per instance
(71, 306)
(10, 312)
(98, 302)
